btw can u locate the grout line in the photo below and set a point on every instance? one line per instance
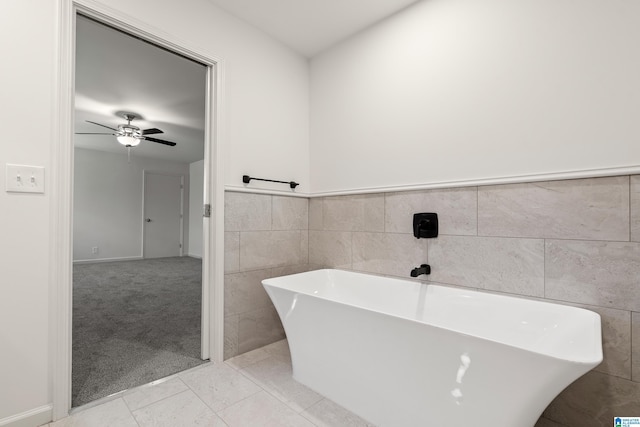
(351, 260)
(266, 390)
(236, 403)
(214, 411)
(636, 380)
(629, 178)
(130, 411)
(298, 409)
(384, 212)
(631, 343)
(544, 268)
(164, 398)
(477, 211)
(301, 413)
(308, 228)
(239, 251)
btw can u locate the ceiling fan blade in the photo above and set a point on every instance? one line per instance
(151, 131)
(160, 141)
(93, 133)
(89, 121)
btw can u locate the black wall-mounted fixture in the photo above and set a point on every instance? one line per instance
(247, 179)
(425, 225)
(423, 269)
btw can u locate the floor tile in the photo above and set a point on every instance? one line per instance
(248, 358)
(329, 414)
(183, 409)
(262, 410)
(543, 422)
(274, 375)
(219, 385)
(147, 395)
(113, 413)
(253, 390)
(279, 349)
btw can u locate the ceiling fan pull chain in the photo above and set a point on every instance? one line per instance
(128, 154)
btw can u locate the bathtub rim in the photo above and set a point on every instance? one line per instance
(594, 361)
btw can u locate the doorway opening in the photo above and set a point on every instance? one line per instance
(138, 297)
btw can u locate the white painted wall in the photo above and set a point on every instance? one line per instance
(454, 90)
(108, 203)
(196, 181)
(26, 46)
(266, 88)
(266, 125)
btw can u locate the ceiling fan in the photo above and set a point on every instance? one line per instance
(128, 134)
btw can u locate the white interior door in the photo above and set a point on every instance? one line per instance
(163, 200)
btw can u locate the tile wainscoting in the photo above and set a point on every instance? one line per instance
(265, 236)
(572, 242)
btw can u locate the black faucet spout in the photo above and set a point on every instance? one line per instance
(423, 269)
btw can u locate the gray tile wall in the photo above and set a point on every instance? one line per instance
(265, 236)
(571, 242)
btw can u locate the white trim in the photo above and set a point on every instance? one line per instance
(515, 179)
(60, 250)
(33, 417)
(213, 236)
(244, 189)
(99, 260)
(60, 188)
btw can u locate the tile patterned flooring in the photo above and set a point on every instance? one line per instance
(254, 389)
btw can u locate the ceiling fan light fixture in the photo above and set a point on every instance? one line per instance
(128, 140)
(130, 135)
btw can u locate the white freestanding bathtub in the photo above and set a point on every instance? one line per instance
(401, 353)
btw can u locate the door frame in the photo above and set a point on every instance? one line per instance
(61, 189)
(145, 173)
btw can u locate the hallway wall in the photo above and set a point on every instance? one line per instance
(108, 203)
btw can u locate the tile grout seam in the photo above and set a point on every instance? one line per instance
(130, 411)
(213, 410)
(544, 268)
(267, 391)
(477, 211)
(159, 400)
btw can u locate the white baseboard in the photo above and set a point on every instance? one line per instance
(91, 261)
(194, 256)
(33, 418)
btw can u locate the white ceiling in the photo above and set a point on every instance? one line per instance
(117, 72)
(310, 26)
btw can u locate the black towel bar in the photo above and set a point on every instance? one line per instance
(246, 179)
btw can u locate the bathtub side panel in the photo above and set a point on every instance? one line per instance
(393, 372)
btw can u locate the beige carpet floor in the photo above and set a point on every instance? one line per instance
(133, 322)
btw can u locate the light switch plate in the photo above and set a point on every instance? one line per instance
(24, 179)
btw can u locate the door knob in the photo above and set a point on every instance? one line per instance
(148, 220)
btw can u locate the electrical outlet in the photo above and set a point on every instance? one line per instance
(94, 250)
